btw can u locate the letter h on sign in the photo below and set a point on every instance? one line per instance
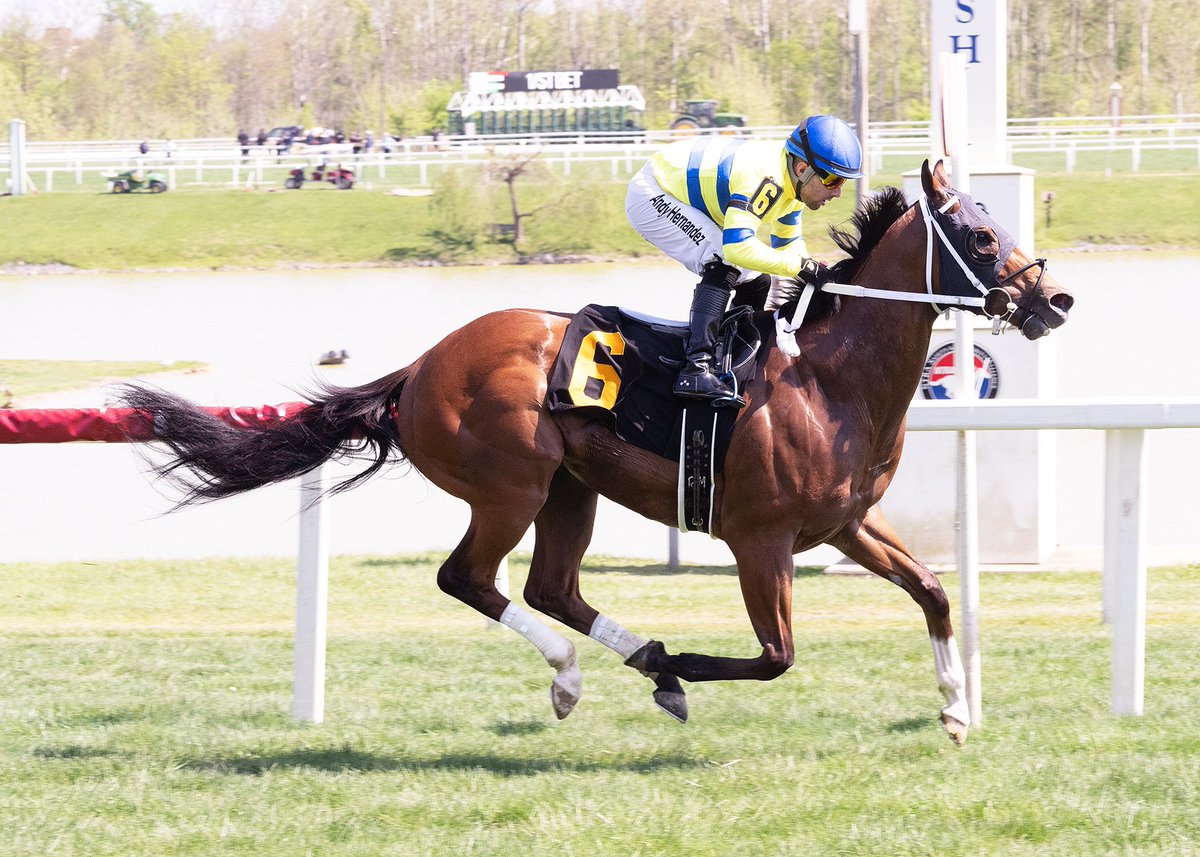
(970, 46)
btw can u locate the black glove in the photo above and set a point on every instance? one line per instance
(814, 272)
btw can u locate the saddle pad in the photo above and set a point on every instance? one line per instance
(610, 364)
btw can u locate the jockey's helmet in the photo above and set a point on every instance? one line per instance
(828, 144)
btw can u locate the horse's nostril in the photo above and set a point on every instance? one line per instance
(1062, 302)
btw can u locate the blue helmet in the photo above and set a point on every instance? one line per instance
(829, 144)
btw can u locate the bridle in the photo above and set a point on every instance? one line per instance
(785, 329)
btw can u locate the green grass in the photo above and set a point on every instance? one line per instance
(20, 379)
(145, 711)
(212, 227)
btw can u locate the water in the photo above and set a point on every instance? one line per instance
(261, 333)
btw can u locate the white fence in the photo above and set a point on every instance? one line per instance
(1058, 144)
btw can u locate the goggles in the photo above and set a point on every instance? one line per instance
(830, 180)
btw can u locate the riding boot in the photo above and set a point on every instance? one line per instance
(752, 293)
(697, 379)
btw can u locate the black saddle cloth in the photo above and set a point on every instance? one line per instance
(622, 366)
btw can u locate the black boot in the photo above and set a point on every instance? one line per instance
(697, 379)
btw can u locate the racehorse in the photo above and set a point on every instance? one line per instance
(810, 456)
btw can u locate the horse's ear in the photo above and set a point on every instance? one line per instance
(935, 182)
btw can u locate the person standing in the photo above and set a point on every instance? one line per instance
(704, 201)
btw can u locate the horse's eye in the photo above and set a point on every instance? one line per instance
(982, 245)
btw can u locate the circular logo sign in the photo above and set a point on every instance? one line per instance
(938, 379)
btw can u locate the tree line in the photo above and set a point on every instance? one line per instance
(392, 65)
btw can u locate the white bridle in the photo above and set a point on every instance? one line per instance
(785, 330)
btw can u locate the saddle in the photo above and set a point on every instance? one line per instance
(620, 365)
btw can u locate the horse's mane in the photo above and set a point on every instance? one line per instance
(868, 226)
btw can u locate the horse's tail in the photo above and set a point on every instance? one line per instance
(211, 459)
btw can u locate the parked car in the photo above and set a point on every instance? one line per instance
(282, 137)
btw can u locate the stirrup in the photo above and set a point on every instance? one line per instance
(707, 386)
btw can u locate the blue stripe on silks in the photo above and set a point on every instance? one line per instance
(736, 236)
(695, 195)
(723, 168)
(791, 219)
(776, 241)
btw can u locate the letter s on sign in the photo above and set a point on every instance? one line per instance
(586, 367)
(966, 9)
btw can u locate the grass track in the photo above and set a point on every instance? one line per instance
(145, 712)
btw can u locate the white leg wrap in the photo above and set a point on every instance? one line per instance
(609, 633)
(951, 678)
(555, 648)
(567, 686)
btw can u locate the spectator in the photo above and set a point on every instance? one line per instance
(144, 148)
(169, 148)
(244, 142)
(262, 137)
(368, 141)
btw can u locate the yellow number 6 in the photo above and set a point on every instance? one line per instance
(586, 368)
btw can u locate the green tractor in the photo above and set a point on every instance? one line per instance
(703, 115)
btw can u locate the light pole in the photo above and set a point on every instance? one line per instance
(857, 20)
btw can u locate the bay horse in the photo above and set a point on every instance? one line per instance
(810, 456)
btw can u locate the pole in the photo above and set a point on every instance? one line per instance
(312, 600)
(953, 80)
(858, 23)
(16, 163)
(1127, 568)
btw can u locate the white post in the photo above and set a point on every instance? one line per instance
(967, 542)
(16, 163)
(312, 598)
(857, 19)
(1128, 568)
(953, 79)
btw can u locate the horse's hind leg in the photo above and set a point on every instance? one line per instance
(469, 574)
(874, 545)
(563, 530)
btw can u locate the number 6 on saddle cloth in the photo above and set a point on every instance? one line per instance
(621, 365)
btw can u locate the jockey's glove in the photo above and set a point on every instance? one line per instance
(814, 272)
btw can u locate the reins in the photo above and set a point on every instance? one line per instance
(785, 330)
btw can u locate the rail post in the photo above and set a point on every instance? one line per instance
(312, 601)
(1125, 572)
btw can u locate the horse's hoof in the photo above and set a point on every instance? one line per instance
(640, 660)
(566, 691)
(955, 728)
(675, 704)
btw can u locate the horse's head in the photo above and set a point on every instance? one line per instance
(977, 256)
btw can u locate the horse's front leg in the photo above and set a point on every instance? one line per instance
(874, 545)
(765, 571)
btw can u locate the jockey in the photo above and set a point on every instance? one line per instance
(703, 202)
